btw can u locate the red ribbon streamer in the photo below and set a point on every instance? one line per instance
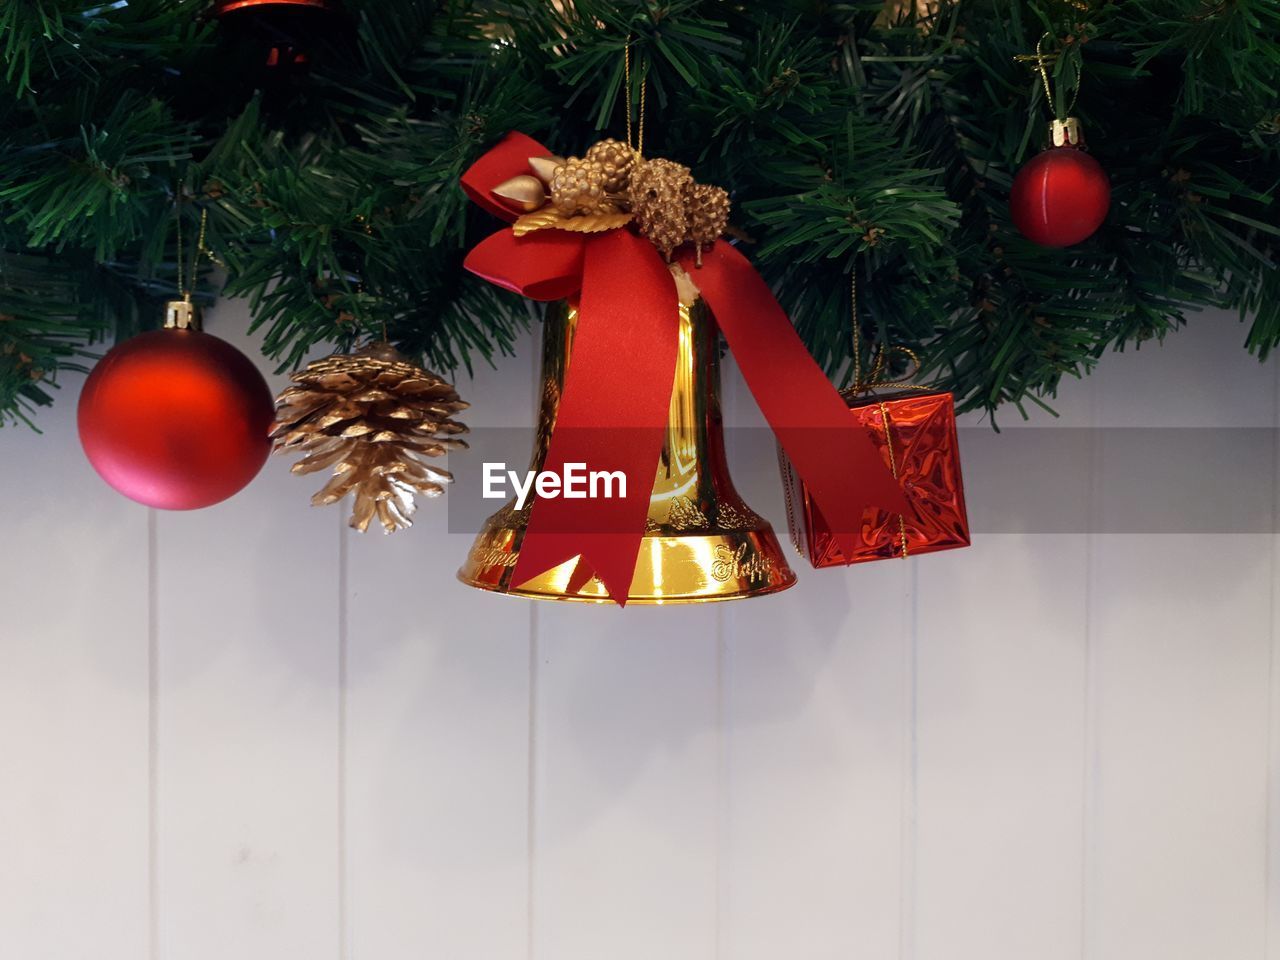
(613, 412)
(617, 390)
(837, 460)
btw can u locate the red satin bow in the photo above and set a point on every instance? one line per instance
(612, 415)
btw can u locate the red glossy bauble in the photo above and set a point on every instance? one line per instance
(223, 7)
(1060, 197)
(176, 419)
(285, 32)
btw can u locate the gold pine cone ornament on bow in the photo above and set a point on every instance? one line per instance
(376, 419)
(708, 208)
(612, 186)
(658, 196)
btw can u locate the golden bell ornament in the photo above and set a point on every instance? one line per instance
(701, 542)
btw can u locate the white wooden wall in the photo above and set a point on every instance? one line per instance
(247, 733)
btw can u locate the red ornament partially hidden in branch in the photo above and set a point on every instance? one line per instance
(286, 27)
(1061, 195)
(175, 418)
(227, 6)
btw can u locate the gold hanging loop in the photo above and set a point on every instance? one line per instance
(1044, 74)
(874, 382)
(636, 144)
(1041, 60)
(202, 248)
(183, 290)
(626, 73)
(880, 358)
(181, 314)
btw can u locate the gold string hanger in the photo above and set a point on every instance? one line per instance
(1041, 61)
(637, 144)
(182, 314)
(875, 383)
(202, 249)
(360, 291)
(184, 291)
(881, 355)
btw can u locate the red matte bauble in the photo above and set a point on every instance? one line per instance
(1060, 197)
(176, 419)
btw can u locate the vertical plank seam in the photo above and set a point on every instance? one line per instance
(531, 815)
(730, 392)
(531, 742)
(1268, 866)
(153, 737)
(907, 829)
(344, 915)
(722, 819)
(1090, 752)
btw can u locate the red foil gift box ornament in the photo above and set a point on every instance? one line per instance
(915, 432)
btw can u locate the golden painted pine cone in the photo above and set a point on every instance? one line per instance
(577, 187)
(657, 195)
(374, 418)
(615, 159)
(708, 213)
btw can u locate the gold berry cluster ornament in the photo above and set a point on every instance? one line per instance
(373, 417)
(577, 186)
(611, 186)
(615, 160)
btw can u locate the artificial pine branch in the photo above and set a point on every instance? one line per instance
(859, 136)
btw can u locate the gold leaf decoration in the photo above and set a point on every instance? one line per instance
(597, 222)
(540, 220)
(549, 219)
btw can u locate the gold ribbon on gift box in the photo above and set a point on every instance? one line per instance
(874, 381)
